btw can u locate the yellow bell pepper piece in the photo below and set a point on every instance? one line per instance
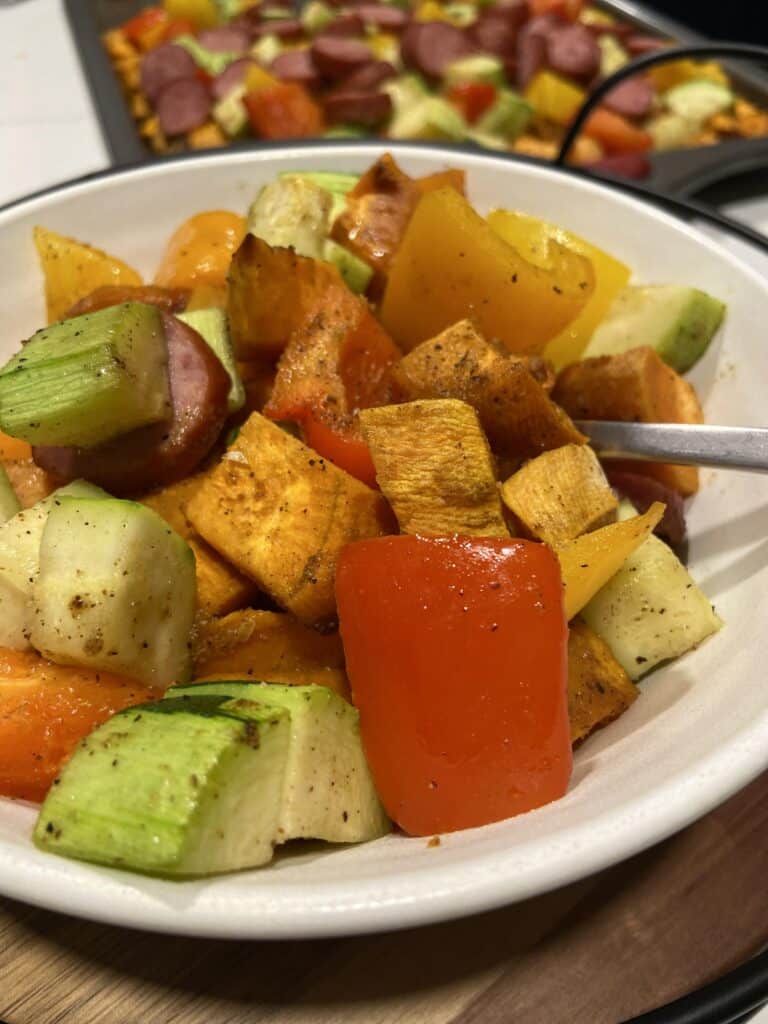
(384, 46)
(256, 78)
(202, 13)
(665, 76)
(554, 98)
(451, 265)
(430, 10)
(532, 239)
(589, 561)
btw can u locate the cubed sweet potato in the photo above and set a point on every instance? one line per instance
(599, 690)
(220, 587)
(269, 646)
(73, 270)
(434, 465)
(281, 514)
(508, 391)
(636, 386)
(560, 494)
(273, 292)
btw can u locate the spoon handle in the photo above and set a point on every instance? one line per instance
(683, 443)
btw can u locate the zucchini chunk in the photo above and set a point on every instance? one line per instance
(115, 591)
(86, 380)
(19, 562)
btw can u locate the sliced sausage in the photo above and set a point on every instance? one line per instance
(172, 300)
(232, 76)
(336, 57)
(357, 106)
(283, 28)
(164, 65)
(619, 29)
(638, 44)
(573, 51)
(429, 46)
(296, 66)
(642, 491)
(225, 39)
(369, 76)
(545, 25)
(494, 33)
(531, 57)
(349, 24)
(182, 106)
(516, 11)
(625, 165)
(382, 16)
(632, 98)
(157, 455)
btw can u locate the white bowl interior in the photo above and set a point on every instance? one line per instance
(699, 731)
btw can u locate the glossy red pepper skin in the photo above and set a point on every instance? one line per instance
(473, 98)
(456, 651)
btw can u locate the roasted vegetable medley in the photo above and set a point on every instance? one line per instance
(300, 538)
(504, 74)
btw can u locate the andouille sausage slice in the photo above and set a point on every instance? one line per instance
(382, 16)
(573, 51)
(225, 39)
(183, 106)
(632, 98)
(172, 300)
(296, 66)
(638, 44)
(348, 24)
(494, 33)
(642, 491)
(357, 106)
(232, 76)
(336, 57)
(369, 76)
(163, 65)
(157, 455)
(430, 46)
(283, 28)
(531, 57)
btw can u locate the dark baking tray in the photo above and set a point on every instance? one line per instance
(682, 172)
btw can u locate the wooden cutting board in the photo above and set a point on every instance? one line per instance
(597, 952)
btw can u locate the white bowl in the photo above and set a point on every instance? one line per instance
(699, 731)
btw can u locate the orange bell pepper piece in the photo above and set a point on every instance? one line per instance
(616, 134)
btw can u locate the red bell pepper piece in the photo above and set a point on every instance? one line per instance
(283, 111)
(178, 27)
(147, 28)
(472, 99)
(456, 650)
(615, 133)
(570, 9)
(334, 367)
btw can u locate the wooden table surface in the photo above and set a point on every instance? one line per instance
(597, 952)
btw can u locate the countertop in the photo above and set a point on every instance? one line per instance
(639, 934)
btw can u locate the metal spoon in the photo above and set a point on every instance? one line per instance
(686, 444)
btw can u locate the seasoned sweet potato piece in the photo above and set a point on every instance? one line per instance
(634, 386)
(30, 483)
(378, 210)
(599, 689)
(434, 465)
(258, 380)
(220, 587)
(281, 514)
(508, 391)
(560, 494)
(274, 292)
(269, 646)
